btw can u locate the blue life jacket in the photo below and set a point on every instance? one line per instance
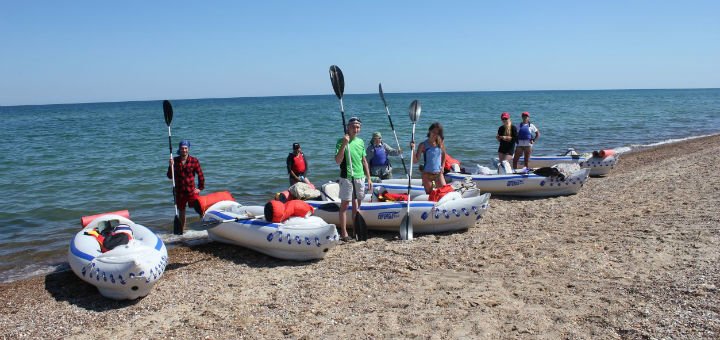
(524, 132)
(380, 157)
(433, 158)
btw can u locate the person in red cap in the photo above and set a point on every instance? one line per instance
(507, 136)
(528, 133)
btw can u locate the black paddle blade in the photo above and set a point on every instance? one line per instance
(406, 228)
(177, 229)
(361, 227)
(167, 109)
(414, 110)
(338, 81)
(382, 95)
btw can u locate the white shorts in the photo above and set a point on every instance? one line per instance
(346, 189)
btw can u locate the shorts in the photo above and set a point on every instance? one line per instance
(346, 189)
(524, 143)
(507, 149)
(520, 149)
(183, 200)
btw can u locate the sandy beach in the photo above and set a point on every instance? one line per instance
(633, 255)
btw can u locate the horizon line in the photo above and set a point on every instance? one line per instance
(332, 94)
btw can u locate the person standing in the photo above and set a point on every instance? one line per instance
(351, 182)
(297, 165)
(433, 151)
(507, 136)
(186, 167)
(527, 135)
(377, 155)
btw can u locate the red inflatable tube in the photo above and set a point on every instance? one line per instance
(85, 220)
(208, 200)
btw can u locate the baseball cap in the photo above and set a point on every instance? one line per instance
(526, 114)
(505, 115)
(296, 146)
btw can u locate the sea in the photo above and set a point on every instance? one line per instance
(62, 162)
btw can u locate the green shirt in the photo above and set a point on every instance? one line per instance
(357, 152)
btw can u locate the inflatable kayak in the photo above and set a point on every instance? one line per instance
(526, 184)
(599, 162)
(127, 271)
(454, 211)
(297, 238)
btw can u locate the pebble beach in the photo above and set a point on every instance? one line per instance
(632, 255)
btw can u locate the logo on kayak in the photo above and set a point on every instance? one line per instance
(514, 183)
(388, 215)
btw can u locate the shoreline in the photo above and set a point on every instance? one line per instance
(633, 254)
(198, 236)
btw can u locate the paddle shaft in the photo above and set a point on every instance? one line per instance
(172, 172)
(392, 127)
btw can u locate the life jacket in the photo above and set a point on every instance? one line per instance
(438, 193)
(276, 211)
(298, 164)
(122, 234)
(380, 157)
(524, 132)
(390, 197)
(449, 162)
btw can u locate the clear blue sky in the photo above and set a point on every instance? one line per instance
(90, 51)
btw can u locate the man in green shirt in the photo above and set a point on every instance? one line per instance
(353, 173)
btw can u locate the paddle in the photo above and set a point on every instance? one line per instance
(338, 84)
(382, 96)
(214, 223)
(406, 227)
(168, 111)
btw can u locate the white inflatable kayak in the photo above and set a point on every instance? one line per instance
(298, 238)
(527, 185)
(455, 211)
(125, 272)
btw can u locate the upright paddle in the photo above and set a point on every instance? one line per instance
(168, 110)
(338, 84)
(406, 227)
(382, 96)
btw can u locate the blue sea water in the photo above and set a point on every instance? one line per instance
(61, 162)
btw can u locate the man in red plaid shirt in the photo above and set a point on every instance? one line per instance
(186, 167)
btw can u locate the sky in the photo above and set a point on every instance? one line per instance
(99, 51)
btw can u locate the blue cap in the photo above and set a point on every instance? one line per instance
(183, 142)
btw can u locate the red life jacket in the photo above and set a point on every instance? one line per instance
(298, 165)
(121, 229)
(390, 197)
(438, 193)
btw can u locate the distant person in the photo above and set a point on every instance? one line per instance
(433, 151)
(528, 133)
(377, 155)
(297, 165)
(360, 170)
(507, 136)
(186, 167)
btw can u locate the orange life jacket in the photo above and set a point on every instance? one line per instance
(276, 211)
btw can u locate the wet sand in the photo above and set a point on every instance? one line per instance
(633, 255)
